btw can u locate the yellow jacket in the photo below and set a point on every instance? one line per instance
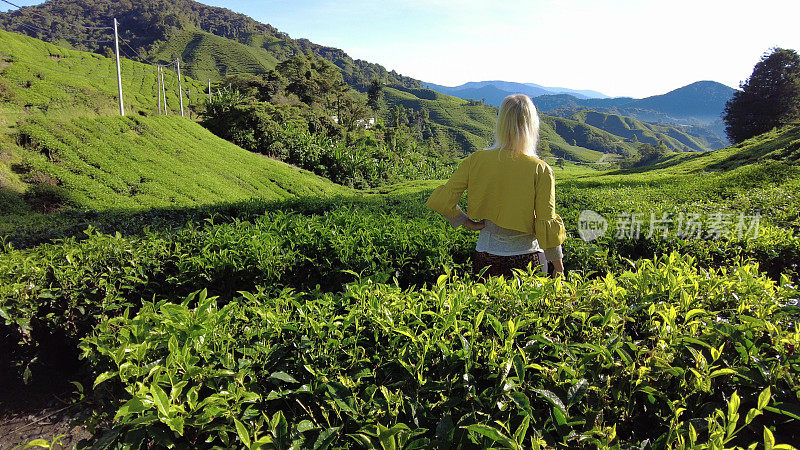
(516, 192)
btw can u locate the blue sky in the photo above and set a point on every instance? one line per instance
(619, 47)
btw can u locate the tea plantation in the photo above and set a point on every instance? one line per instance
(202, 296)
(351, 320)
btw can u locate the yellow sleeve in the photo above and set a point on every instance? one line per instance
(548, 226)
(444, 199)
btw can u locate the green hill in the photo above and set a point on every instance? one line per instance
(779, 145)
(638, 131)
(212, 42)
(470, 125)
(56, 151)
(138, 162)
(467, 124)
(587, 136)
(38, 77)
(155, 25)
(207, 56)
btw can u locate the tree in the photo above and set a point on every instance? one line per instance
(769, 98)
(375, 94)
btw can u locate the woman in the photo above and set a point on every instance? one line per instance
(511, 196)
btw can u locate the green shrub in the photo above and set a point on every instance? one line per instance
(663, 354)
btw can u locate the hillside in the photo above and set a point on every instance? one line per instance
(637, 131)
(581, 134)
(471, 124)
(206, 56)
(781, 145)
(156, 28)
(57, 149)
(696, 107)
(701, 101)
(213, 42)
(38, 77)
(137, 162)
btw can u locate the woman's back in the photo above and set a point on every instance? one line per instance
(511, 190)
(503, 186)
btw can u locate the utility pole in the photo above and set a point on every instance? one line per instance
(119, 72)
(209, 90)
(180, 87)
(158, 79)
(163, 89)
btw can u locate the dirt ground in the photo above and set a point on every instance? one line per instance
(38, 412)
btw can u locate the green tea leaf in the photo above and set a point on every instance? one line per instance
(720, 372)
(694, 313)
(769, 439)
(244, 436)
(132, 406)
(551, 397)
(763, 398)
(576, 392)
(493, 434)
(283, 376)
(306, 425)
(160, 399)
(496, 325)
(751, 415)
(37, 443)
(326, 438)
(103, 377)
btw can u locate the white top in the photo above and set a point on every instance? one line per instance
(504, 242)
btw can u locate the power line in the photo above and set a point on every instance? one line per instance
(131, 48)
(68, 24)
(54, 33)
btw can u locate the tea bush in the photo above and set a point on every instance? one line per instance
(667, 355)
(55, 293)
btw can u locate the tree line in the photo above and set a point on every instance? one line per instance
(304, 113)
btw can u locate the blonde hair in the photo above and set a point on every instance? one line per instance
(517, 126)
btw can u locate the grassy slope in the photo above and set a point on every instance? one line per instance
(469, 126)
(50, 133)
(590, 137)
(138, 162)
(630, 128)
(32, 79)
(207, 56)
(781, 144)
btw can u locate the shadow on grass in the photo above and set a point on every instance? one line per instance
(27, 228)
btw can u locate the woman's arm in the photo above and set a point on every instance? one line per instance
(548, 226)
(444, 198)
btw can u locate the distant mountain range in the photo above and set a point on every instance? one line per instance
(699, 104)
(702, 101)
(495, 91)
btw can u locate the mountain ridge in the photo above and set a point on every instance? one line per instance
(529, 89)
